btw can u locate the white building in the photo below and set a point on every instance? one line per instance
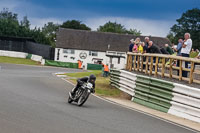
(94, 47)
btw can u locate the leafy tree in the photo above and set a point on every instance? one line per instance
(9, 25)
(39, 36)
(134, 32)
(49, 30)
(117, 28)
(112, 27)
(75, 24)
(188, 22)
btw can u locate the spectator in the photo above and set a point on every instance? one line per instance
(185, 51)
(169, 49)
(146, 44)
(192, 51)
(135, 48)
(178, 50)
(179, 47)
(106, 70)
(131, 45)
(152, 48)
(137, 41)
(163, 51)
(173, 46)
(141, 47)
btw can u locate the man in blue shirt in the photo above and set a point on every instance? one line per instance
(131, 45)
(179, 47)
(178, 50)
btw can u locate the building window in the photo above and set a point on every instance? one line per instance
(68, 51)
(93, 53)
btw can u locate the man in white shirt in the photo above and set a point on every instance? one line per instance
(185, 51)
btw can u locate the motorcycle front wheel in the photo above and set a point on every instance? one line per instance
(83, 98)
(70, 100)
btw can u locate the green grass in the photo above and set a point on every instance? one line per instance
(103, 87)
(4, 59)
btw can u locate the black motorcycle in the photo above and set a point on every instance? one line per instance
(81, 94)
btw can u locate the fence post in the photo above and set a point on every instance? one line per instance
(151, 66)
(129, 62)
(156, 67)
(147, 60)
(191, 72)
(142, 63)
(170, 68)
(138, 63)
(180, 69)
(163, 67)
(134, 65)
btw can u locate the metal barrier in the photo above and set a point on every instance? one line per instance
(173, 98)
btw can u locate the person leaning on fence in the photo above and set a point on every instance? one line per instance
(169, 49)
(153, 48)
(141, 47)
(185, 51)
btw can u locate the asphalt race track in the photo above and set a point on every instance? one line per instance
(32, 100)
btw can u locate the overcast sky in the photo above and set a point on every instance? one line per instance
(151, 17)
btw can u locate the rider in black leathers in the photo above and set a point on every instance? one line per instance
(81, 81)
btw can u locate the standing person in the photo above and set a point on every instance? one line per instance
(135, 48)
(169, 49)
(185, 51)
(179, 47)
(137, 41)
(178, 50)
(79, 64)
(131, 45)
(106, 70)
(146, 44)
(141, 47)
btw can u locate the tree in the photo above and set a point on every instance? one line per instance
(49, 30)
(189, 22)
(75, 24)
(9, 25)
(112, 27)
(134, 32)
(117, 28)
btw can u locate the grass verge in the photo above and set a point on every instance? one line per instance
(103, 87)
(12, 60)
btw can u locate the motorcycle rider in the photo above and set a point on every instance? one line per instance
(81, 81)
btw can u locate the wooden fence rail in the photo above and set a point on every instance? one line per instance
(163, 65)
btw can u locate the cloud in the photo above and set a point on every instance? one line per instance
(39, 22)
(147, 27)
(10, 4)
(39, 15)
